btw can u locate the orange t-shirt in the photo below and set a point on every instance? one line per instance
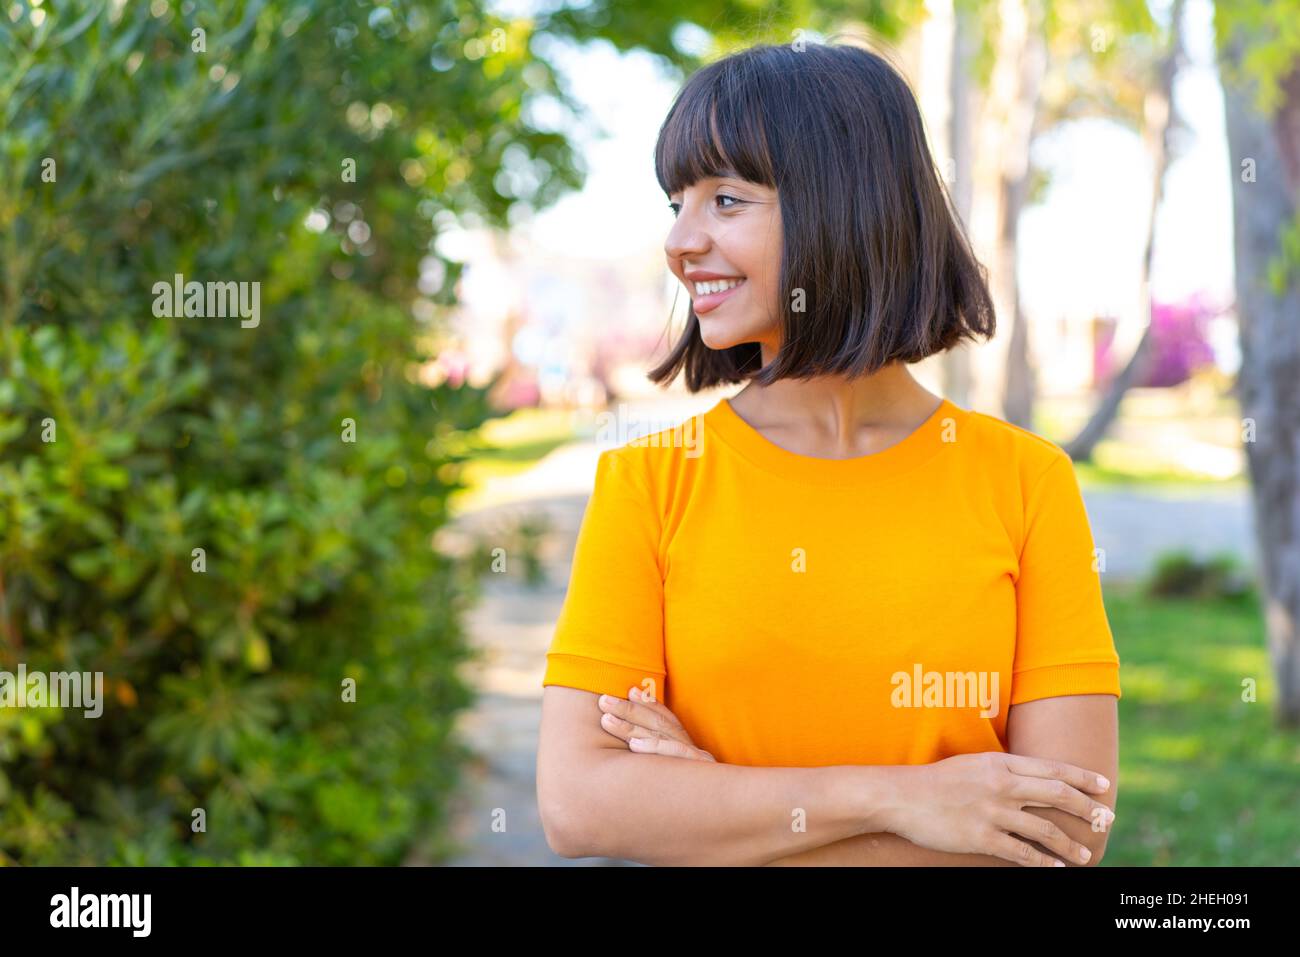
(795, 611)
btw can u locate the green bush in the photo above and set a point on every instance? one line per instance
(223, 685)
(1180, 574)
(128, 441)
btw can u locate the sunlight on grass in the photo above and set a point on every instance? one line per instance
(524, 427)
(513, 444)
(1162, 437)
(1192, 461)
(1124, 463)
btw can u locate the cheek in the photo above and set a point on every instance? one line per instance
(750, 255)
(768, 270)
(765, 295)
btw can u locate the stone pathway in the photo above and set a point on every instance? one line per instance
(512, 627)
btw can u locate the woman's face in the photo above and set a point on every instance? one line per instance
(728, 227)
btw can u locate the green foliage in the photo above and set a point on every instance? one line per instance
(223, 686)
(1180, 574)
(128, 441)
(1284, 266)
(1259, 49)
(1268, 32)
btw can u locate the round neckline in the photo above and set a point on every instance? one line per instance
(922, 444)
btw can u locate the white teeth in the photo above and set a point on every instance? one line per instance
(716, 285)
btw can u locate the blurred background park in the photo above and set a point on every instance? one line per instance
(452, 213)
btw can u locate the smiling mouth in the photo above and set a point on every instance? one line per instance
(709, 295)
(716, 285)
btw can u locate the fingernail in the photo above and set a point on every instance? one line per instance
(605, 699)
(631, 693)
(1059, 864)
(636, 742)
(1103, 783)
(1085, 854)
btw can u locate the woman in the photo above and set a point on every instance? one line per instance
(865, 622)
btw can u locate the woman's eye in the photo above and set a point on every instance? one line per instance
(677, 207)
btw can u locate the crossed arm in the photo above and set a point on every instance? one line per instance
(598, 798)
(1076, 729)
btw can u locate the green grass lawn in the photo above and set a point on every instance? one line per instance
(1205, 778)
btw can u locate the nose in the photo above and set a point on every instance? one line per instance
(687, 239)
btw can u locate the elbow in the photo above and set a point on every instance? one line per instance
(555, 825)
(567, 829)
(562, 837)
(556, 840)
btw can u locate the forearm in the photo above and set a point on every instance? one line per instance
(666, 811)
(883, 849)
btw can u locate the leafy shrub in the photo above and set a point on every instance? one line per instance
(223, 685)
(129, 440)
(1182, 575)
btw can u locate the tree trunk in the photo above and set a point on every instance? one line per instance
(957, 361)
(1006, 125)
(1268, 383)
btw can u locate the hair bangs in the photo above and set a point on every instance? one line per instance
(714, 129)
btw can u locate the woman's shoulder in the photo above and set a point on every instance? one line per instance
(1005, 445)
(659, 458)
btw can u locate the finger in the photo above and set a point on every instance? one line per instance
(1045, 833)
(624, 729)
(667, 747)
(1071, 774)
(646, 695)
(1042, 792)
(642, 698)
(638, 712)
(1018, 852)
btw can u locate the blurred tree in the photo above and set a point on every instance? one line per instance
(1022, 68)
(181, 505)
(1259, 48)
(1159, 122)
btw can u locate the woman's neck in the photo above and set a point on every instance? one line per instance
(835, 417)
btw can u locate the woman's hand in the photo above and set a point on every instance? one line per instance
(648, 726)
(972, 804)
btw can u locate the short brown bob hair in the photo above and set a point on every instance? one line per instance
(869, 233)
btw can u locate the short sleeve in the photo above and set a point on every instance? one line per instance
(610, 633)
(1064, 644)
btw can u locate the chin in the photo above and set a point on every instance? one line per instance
(718, 334)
